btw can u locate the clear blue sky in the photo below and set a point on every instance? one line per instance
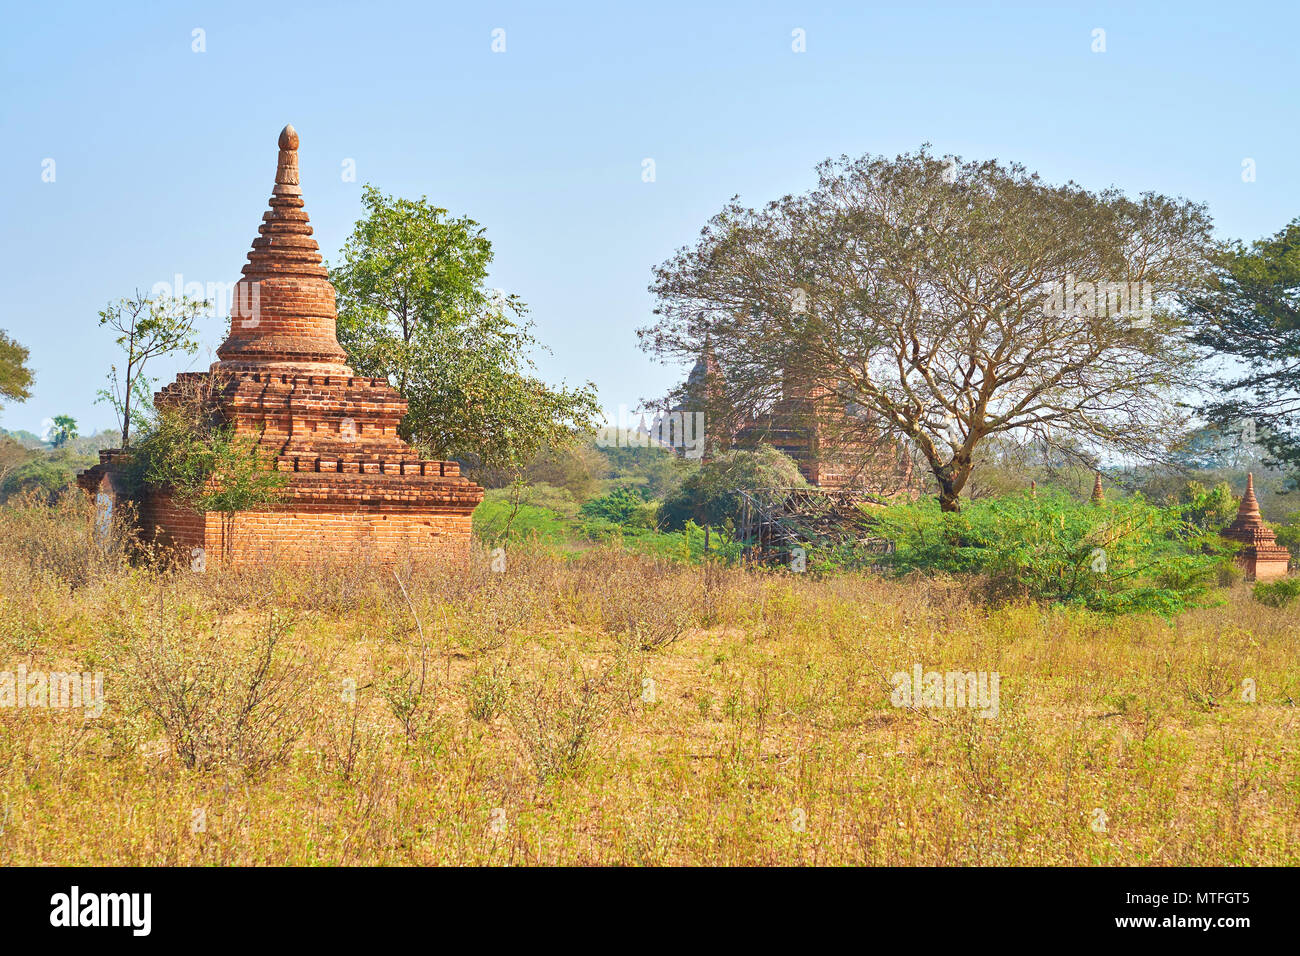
(164, 157)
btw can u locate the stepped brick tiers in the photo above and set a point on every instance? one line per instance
(1262, 557)
(353, 486)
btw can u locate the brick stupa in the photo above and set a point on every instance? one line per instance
(353, 486)
(1098, 495)
(1261, 556)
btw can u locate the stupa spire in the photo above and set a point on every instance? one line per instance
(284, 317)
(1098, 496)
(1248, 519)
(1249, 506)
(286, 171)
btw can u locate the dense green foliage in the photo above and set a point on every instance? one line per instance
(1250, 310)
(546, 516)
(655, 472)
(621, 506)
(44, 475)
(1128, 554)
(497, 521)
(1120, 556)
(414, 308)
(29, 465)
(1208, 509)
(1288, 536)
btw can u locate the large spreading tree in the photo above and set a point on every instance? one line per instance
(414, 308)
(1248, 313)
(945, 303)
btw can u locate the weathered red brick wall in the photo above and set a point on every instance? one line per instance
(306, 536)
(167, 524)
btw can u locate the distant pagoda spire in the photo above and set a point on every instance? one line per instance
(702, 396)
(1248, 521)
(705, 375)
(1098, 496)
(284, 314)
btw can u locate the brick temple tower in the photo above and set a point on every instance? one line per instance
(1262, 557)
(352, 483)
(811, 425)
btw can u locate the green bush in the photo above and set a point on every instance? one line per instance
(709, 495)
(530, 522)
(1288, 535)
(201, 461)
(48, 475)
(1120, 557)
(1278, 593)
(622, 506)
(1208, 509)
(686, 545)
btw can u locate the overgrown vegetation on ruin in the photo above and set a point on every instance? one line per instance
(199, 459)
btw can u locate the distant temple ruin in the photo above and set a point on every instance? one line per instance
(1261, 556)
(805, 422)
(282, 378)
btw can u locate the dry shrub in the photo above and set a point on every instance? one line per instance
(655, 625)
(488, 689)
(224, 706)
(356, 583)
(562, 715)
(494, 614)
(413, 692)
(70, 539)
(651, 602)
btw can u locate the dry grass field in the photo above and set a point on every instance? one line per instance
(608, 709)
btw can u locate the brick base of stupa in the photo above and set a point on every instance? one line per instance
(299, 536)
(1264, 563)
(329, 511)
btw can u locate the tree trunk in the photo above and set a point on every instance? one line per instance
(952, 479)
(126, 414)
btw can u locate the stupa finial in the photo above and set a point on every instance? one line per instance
(286, 169)
(1248, 515)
